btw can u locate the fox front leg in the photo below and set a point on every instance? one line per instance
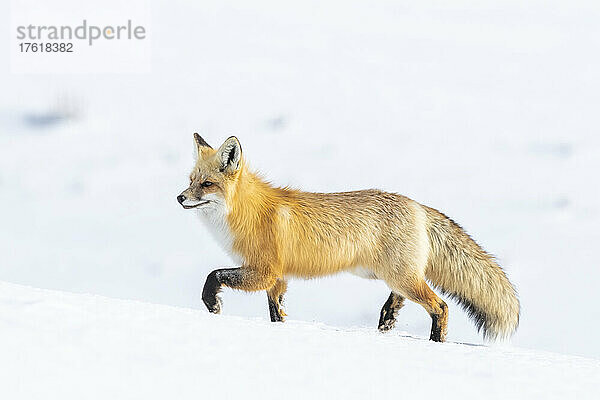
(275, 297)
(242, 278)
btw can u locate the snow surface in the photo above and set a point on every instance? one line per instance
(58, 345)
(485, 110)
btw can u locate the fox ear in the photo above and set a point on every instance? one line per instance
(230, 154)
(201, 143)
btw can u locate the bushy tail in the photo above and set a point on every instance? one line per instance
(464, 271)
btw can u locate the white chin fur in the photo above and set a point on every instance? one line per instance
(214, 217)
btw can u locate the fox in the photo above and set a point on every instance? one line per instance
(276, 234)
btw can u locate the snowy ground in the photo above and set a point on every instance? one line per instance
(58, 345)
(487, 111)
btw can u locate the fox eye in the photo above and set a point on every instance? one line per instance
(206, 184)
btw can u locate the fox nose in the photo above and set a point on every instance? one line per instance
(181, 199)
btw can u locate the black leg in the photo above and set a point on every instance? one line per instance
(275, 299)
(274, 311)
(243, 278)
(227, 276)
(437, 328)
(389, 311)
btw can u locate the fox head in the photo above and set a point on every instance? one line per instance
(214, 174)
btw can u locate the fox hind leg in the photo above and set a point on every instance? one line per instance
(389, 311)
(275, 298)
(422, 294)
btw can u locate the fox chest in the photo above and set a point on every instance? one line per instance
(215, 222)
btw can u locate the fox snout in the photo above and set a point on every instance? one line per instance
(184, 197)
(188, 200)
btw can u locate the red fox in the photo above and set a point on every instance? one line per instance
(279, 233)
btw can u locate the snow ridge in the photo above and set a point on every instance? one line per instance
(65, 345)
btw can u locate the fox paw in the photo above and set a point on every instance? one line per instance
(214, 306)
(386, 325)
(438, 335)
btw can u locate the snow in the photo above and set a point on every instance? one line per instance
(484, 110)
(58, 345)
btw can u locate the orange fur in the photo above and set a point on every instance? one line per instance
(279, 233)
